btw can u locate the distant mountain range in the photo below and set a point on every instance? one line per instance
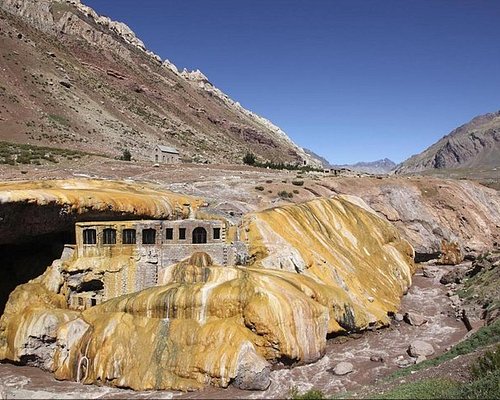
(373, 167)
(474, 145)
(383, 166)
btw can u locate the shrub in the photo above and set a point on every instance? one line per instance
(269, 181)
(126, 156)
(285, 195)
(424, 389)
(485, 388)
(298, 183)
(487, 364)
(309, 395)
(259, 188)
(295, 191)
(249, 159)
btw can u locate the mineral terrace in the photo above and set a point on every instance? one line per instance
(152, 291)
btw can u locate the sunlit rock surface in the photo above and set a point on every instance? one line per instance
(326, 266)
(38, 207)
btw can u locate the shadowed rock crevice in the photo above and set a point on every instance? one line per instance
(28, 259)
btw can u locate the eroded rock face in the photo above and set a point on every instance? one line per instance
(36, 208)
(325, 266)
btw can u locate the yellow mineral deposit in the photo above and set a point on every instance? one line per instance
(99, 195)
(325, 266)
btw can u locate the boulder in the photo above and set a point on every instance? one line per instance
(377, 358)
(253, 373)
(414, 319)
(429, 271)
(455, 300)
(420, 348)
(451, 253)
(343, 368)
(398, 317)
(454, 276)
(420, 359)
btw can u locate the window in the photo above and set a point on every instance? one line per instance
(148, 236)
(199, 235)
(216, 233)
(169, 233)
(109, 236)
(182, 233)
(89, 236)
(128, 236)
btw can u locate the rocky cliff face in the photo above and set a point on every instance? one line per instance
(325, 266)
(76, 79)
(428, 210)
(473, 145)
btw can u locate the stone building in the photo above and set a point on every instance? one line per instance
(166, 155)
(121, 257)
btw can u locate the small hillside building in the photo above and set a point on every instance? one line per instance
(166, 155)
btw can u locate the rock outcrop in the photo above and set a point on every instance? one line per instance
(321, 267)
(428, 210)
(30, 209)
(116, 93)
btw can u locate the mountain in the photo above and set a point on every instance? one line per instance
(474, 145)
(324, 162)
(373, 167)
(74, 79)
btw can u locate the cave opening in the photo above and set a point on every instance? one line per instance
(424, 257)
(28, 258)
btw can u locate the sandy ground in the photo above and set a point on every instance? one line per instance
(426, 296)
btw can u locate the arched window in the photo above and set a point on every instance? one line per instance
(199, 235)
(109, 236)
(148, 236)
(128, 236)
(89, 236)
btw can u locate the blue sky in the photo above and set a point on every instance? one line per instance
(351, 80)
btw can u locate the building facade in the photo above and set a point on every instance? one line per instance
(121, 257)
(166, 155)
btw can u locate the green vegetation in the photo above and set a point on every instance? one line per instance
(295, 191)
(251, 159)
(285, 195)
(485, 336)
(298, 183)
(13, 153)
(58, 119)
(485, 383)
(483, 286)
(487, 387)
(126, 156)
(488, 364)
(309, 395)
(424, 389)
(259, 188)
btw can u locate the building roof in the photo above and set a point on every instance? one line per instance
(166, 149)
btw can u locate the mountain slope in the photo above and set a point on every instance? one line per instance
(473, 145)
(75, 79)
(372, 167)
